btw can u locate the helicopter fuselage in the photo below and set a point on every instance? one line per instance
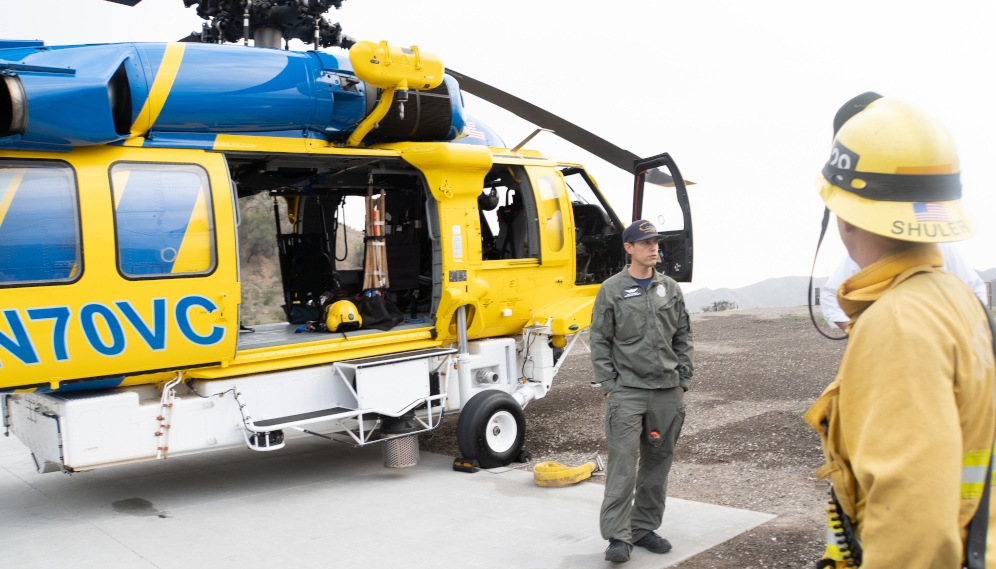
(120, 256)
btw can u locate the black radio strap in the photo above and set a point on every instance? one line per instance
(978, 527)
(823, 232)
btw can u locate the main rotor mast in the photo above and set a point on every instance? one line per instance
(266, 22)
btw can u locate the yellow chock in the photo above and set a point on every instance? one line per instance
(555, 475)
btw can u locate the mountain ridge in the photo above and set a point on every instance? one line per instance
(777, 292)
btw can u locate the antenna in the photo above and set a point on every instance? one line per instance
(527, 139)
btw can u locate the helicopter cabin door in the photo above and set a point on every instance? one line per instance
(527, 243)
(143, 274)
(676, 245)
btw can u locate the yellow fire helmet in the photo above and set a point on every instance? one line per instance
(342, 316)
(893, 171)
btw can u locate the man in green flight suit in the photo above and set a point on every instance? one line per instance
(641, 348)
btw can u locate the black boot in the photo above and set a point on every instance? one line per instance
(617, 551)
(654, 543)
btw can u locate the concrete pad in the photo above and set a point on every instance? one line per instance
(315, 504)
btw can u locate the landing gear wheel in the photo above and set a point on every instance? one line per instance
(491, 429)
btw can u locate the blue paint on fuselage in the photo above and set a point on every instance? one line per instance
(272, 90)
(8, 44)
(152, 219)
(38, 235)
(105, 383)
(218, 89)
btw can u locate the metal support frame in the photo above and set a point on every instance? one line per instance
(359, 434)
(359, 439)
(567, 352)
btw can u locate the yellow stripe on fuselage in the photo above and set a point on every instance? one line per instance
(119, 180)
(8, 193)
(194, 255)
(161, 87)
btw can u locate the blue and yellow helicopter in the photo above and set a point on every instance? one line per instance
(121, 166)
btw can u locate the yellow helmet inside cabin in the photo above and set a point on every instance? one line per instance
(342, 316)
(893, 171)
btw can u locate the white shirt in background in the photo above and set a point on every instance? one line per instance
(953, 261)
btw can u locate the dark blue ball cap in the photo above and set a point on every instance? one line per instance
(639, 230)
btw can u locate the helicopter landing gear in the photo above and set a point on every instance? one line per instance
(491, 429)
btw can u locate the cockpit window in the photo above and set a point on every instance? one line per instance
(39, 224)
(163, 220)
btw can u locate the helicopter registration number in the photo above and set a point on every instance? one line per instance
(104, 327)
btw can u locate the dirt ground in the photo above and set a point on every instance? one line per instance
(743, 444)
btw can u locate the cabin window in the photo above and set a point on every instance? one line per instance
(163, 220)
(508, 215)
(553, 219)
(39, 223)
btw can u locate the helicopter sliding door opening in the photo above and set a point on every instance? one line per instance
(324, 245)
(652, 203)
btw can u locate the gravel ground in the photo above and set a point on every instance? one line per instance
(743, 444)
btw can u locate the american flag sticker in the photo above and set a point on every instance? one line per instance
(930, 211)
(471, 131)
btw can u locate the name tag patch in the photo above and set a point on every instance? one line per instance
(632, 291)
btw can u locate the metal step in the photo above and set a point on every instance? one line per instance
(393, 384)
(373, 361)
(301, 418)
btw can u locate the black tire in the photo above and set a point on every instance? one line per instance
(491, 413)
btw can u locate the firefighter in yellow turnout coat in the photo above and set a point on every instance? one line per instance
(908, 424)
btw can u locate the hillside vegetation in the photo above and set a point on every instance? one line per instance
(262, 292)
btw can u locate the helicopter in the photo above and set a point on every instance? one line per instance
(121, 170)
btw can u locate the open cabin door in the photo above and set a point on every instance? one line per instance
(676, 246)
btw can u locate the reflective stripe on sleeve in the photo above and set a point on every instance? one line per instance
(974, 465)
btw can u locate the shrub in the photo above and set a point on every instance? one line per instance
(720, 306)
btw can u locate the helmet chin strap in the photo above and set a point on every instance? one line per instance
(823, 231)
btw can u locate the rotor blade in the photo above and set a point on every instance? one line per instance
(125, 2)
(619, 157)
(659, 177)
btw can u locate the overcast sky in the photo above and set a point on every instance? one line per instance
(742, 94)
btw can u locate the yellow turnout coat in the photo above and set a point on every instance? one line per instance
(908, 424)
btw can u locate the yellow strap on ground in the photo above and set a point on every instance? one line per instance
(554, 474)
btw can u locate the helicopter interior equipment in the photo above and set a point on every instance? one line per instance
(121, 167)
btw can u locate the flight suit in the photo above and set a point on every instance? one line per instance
(908, 424)
(641, 349)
